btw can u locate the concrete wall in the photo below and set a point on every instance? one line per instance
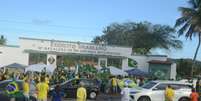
(11, 55)
(143, 60)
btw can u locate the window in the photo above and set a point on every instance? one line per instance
(149, 85)
(161, 86)
(117, 62)
(35, 58)
(180, 86)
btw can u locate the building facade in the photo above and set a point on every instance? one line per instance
(56, 52)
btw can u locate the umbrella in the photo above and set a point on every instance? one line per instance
(16, 66)
(137, 72)
(116, 71)
(40, 68)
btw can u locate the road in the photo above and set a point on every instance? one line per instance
(101, 97)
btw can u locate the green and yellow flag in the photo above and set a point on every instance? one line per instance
(132, 63)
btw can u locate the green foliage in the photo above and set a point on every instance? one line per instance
(2, 40)
(184, 67)
(189, 24)
(142, 37)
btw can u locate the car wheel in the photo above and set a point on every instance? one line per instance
(144, 98)
(92, 95)
(184, 99)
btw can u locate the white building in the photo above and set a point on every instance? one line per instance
(99, 55)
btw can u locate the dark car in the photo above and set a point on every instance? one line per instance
(3, 94)
(69, 88)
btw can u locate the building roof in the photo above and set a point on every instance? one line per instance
(160, 62)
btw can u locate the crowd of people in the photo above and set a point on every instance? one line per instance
(36, 85)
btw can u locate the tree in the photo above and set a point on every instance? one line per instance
(142, 37)
(189, 24)
(187, 64)
(2, 40)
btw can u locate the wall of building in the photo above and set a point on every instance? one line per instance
(142, 60)
(13, 54)
(173, 72)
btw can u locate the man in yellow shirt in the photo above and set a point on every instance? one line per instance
(114, 85)
(42, 89)
(169, 93)
(26, 89)
(81, 93)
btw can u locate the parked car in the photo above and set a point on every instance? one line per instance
(154, 91)
(3, 94)
(69, 88)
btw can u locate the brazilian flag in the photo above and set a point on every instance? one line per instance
(132, 63)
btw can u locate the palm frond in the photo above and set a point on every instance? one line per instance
(187, 12)
(184, 28)
(180, 21)
(190, 32)
(193, 3)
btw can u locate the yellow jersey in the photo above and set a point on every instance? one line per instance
(81, 94)
(26, 87)
(42, 89)
(169, 93)
(114, 82)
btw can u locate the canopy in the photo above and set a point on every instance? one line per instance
(1, 66)
(16, 66)
(137, 72)
(40, 68)
(116, 71)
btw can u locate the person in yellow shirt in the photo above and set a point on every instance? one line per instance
(26, 89)
(114, 85)
(169, 93)
(42, 89)
(81, 93)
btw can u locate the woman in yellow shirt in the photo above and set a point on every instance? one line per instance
(42, 89)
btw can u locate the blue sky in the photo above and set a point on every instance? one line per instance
(81, 20)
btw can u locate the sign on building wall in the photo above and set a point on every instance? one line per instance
(72, 47)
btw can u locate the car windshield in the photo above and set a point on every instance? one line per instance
(149, 85)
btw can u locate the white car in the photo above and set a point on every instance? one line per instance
(154, 91)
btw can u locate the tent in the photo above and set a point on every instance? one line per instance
(16, 66)
(116, 71)
(1, 66)
(40, 68)
(137, 72)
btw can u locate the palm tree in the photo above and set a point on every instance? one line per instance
(2, 40)
(189, 24)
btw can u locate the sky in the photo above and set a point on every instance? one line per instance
(81, 20)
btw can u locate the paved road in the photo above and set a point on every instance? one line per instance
(101, 97)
